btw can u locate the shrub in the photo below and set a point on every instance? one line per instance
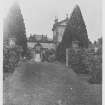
(49, 55)
(28, 54)
(11, 57)
(87, 61)
(76, 60)
(96, 68)
(51, 58)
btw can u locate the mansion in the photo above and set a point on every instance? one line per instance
(58, 30)
(42, 39)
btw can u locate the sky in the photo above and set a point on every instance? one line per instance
(39, 15)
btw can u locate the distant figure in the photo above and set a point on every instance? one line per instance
(38, 57)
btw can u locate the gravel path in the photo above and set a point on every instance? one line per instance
(48, 84)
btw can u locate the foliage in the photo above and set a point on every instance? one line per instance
(87, 61)
(96, 70)
(75, 31)
(52, 58)
(61, 53)
(76, 60)
(95, 63)
(28, 54)
(14, 27)
(49, 55)
(11, 57)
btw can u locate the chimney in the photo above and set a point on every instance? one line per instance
(56, 20)
(67, 16)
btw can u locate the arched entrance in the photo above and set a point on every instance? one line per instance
(38, 52)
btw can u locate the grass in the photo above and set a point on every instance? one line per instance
(49, 84)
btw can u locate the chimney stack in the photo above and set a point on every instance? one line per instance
(56, 20)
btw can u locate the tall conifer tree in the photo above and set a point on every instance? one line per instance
(14, 27)
(75, 31)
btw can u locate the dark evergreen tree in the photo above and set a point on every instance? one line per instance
(14, 27)
(75, 31)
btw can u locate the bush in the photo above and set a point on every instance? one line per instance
(49, 55)
(96, 68)
(11, 57)
(87, 61)
(51, 58)
(61, 53)
(76, 60)
(28, 54)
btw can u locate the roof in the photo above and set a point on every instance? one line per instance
(61, 23)
(41, 41)
(39, 38)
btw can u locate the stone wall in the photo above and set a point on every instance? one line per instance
(44, 45)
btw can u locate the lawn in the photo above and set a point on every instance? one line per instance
(48, 84)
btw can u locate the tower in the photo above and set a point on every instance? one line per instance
(58, 29)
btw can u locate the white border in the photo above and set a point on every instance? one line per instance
(1, 51)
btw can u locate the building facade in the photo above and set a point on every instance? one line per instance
(35, 42)
(58, 29)
(42, 39)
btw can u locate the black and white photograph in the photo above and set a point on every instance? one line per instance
(52, 52)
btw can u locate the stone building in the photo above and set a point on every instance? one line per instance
(36, 42)
(42, 39)
(58, 29)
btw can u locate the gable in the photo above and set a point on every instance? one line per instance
(64, 22)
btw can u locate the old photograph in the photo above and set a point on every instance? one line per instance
(52, 52)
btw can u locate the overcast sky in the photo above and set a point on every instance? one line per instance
(39, 15)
